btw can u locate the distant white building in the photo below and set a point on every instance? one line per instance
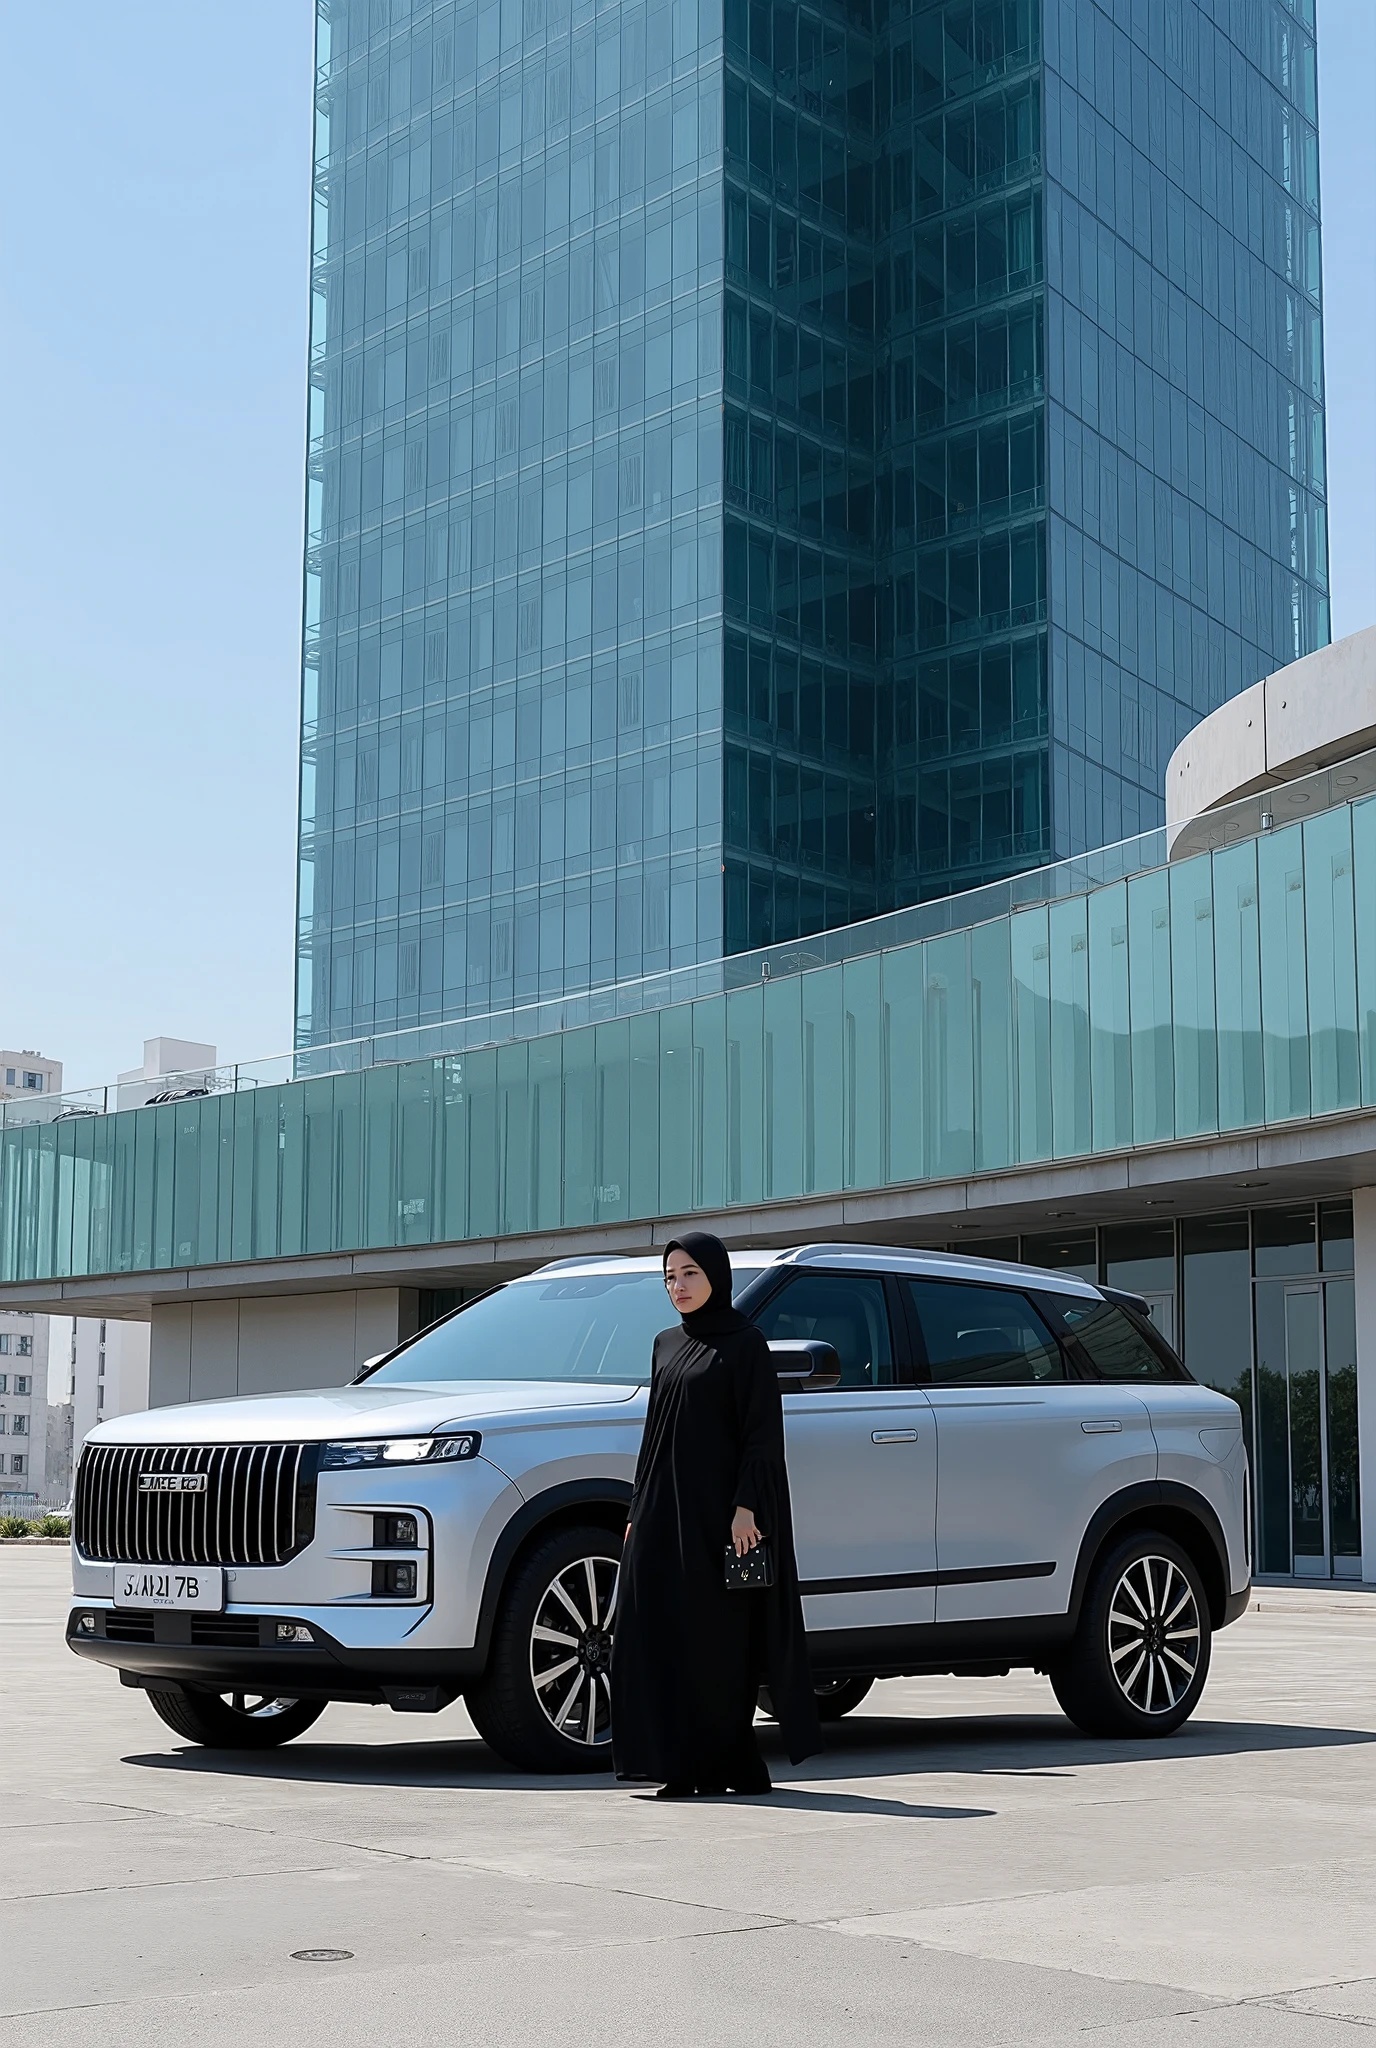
(61, 1375)
(28, 1073)
(24, 1340)
(169, 1065)
(106, 1366)
(24, 1349)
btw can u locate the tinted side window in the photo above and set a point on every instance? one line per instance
(983, 1336)
(1114, 1345)
(846, 1310)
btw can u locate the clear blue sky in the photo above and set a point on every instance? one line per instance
(154, 163)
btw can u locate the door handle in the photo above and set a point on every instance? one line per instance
(1103, 1427)
(893, 1436)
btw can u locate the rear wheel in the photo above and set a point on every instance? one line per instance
(838, 1696)
(1140, 1656)
(545, 1701)
(835, 1697)
(235, 1720)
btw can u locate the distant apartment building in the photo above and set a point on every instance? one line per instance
(28, 1073)
(99, 1368)
(24, 1350)
(107, 1369)
(24, 1341)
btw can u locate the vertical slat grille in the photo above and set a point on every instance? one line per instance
(258, 1505)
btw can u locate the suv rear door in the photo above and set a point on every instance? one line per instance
(861, 1459)
(1025, 1451)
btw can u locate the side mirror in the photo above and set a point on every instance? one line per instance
(806, 1365)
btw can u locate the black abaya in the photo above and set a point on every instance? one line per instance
(689, 1656)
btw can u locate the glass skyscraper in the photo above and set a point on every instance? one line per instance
(771, 466)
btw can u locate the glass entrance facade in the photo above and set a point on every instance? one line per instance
(774, 463)
(1262, 1306)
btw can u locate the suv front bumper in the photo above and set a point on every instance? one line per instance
(244, 1653)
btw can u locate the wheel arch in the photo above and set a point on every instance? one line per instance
(1176, 1511)
(602, 1501)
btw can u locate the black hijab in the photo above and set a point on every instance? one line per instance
(716, 1317)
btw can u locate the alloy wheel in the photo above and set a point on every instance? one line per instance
(1153, 1634)
(571, 1649)
(257, 1706)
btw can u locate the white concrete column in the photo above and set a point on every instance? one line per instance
(1364, 1261)
(272, 1343)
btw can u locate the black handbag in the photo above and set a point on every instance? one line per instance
(751, 1573)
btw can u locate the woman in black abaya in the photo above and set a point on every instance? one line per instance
(690, 1654)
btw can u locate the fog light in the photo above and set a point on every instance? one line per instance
(86, 1624)
(394, 1581)
(398, 1532)
(293, 1632)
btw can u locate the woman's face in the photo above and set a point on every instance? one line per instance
(689, 1287)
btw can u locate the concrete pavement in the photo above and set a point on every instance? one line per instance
(961, 1867)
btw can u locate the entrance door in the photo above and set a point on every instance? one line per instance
(1304, 1390)
(1308, 1500)
(1340, 1427)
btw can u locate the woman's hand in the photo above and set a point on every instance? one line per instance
(744, 1533)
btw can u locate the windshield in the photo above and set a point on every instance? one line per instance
(554, 1326)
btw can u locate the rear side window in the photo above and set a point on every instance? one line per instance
(1112, 1342)
(845, 1310)
(983, 1336)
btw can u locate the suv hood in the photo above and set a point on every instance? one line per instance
(321, 1415)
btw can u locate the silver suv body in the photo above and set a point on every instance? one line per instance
(991, 1466)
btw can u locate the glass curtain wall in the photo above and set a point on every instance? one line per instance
(1184, 368)
(883, 458)
(511, 775)
(775, 465)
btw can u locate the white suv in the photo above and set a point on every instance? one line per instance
(991, 1466)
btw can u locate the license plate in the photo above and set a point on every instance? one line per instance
(200, 1589)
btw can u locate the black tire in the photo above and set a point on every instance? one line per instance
(544, 1702)
(1140, 1657)
(838, 1696)
(235, 1720)
(835, 1697)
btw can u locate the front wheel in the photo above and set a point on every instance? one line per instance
(235, 1720)
(1140, 1655)
(545, 1700)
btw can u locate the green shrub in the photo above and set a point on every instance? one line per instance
(53, 1525)
(13, 1525)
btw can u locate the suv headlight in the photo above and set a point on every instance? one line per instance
(401, 1450)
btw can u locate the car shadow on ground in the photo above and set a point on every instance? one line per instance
(867, 1746)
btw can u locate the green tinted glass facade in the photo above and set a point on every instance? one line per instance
(512, 748)
(1187, 529)
(1231, 991)
(774, 463)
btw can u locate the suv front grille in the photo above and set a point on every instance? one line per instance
(257, 1505)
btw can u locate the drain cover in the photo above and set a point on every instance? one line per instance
(322, 1955)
